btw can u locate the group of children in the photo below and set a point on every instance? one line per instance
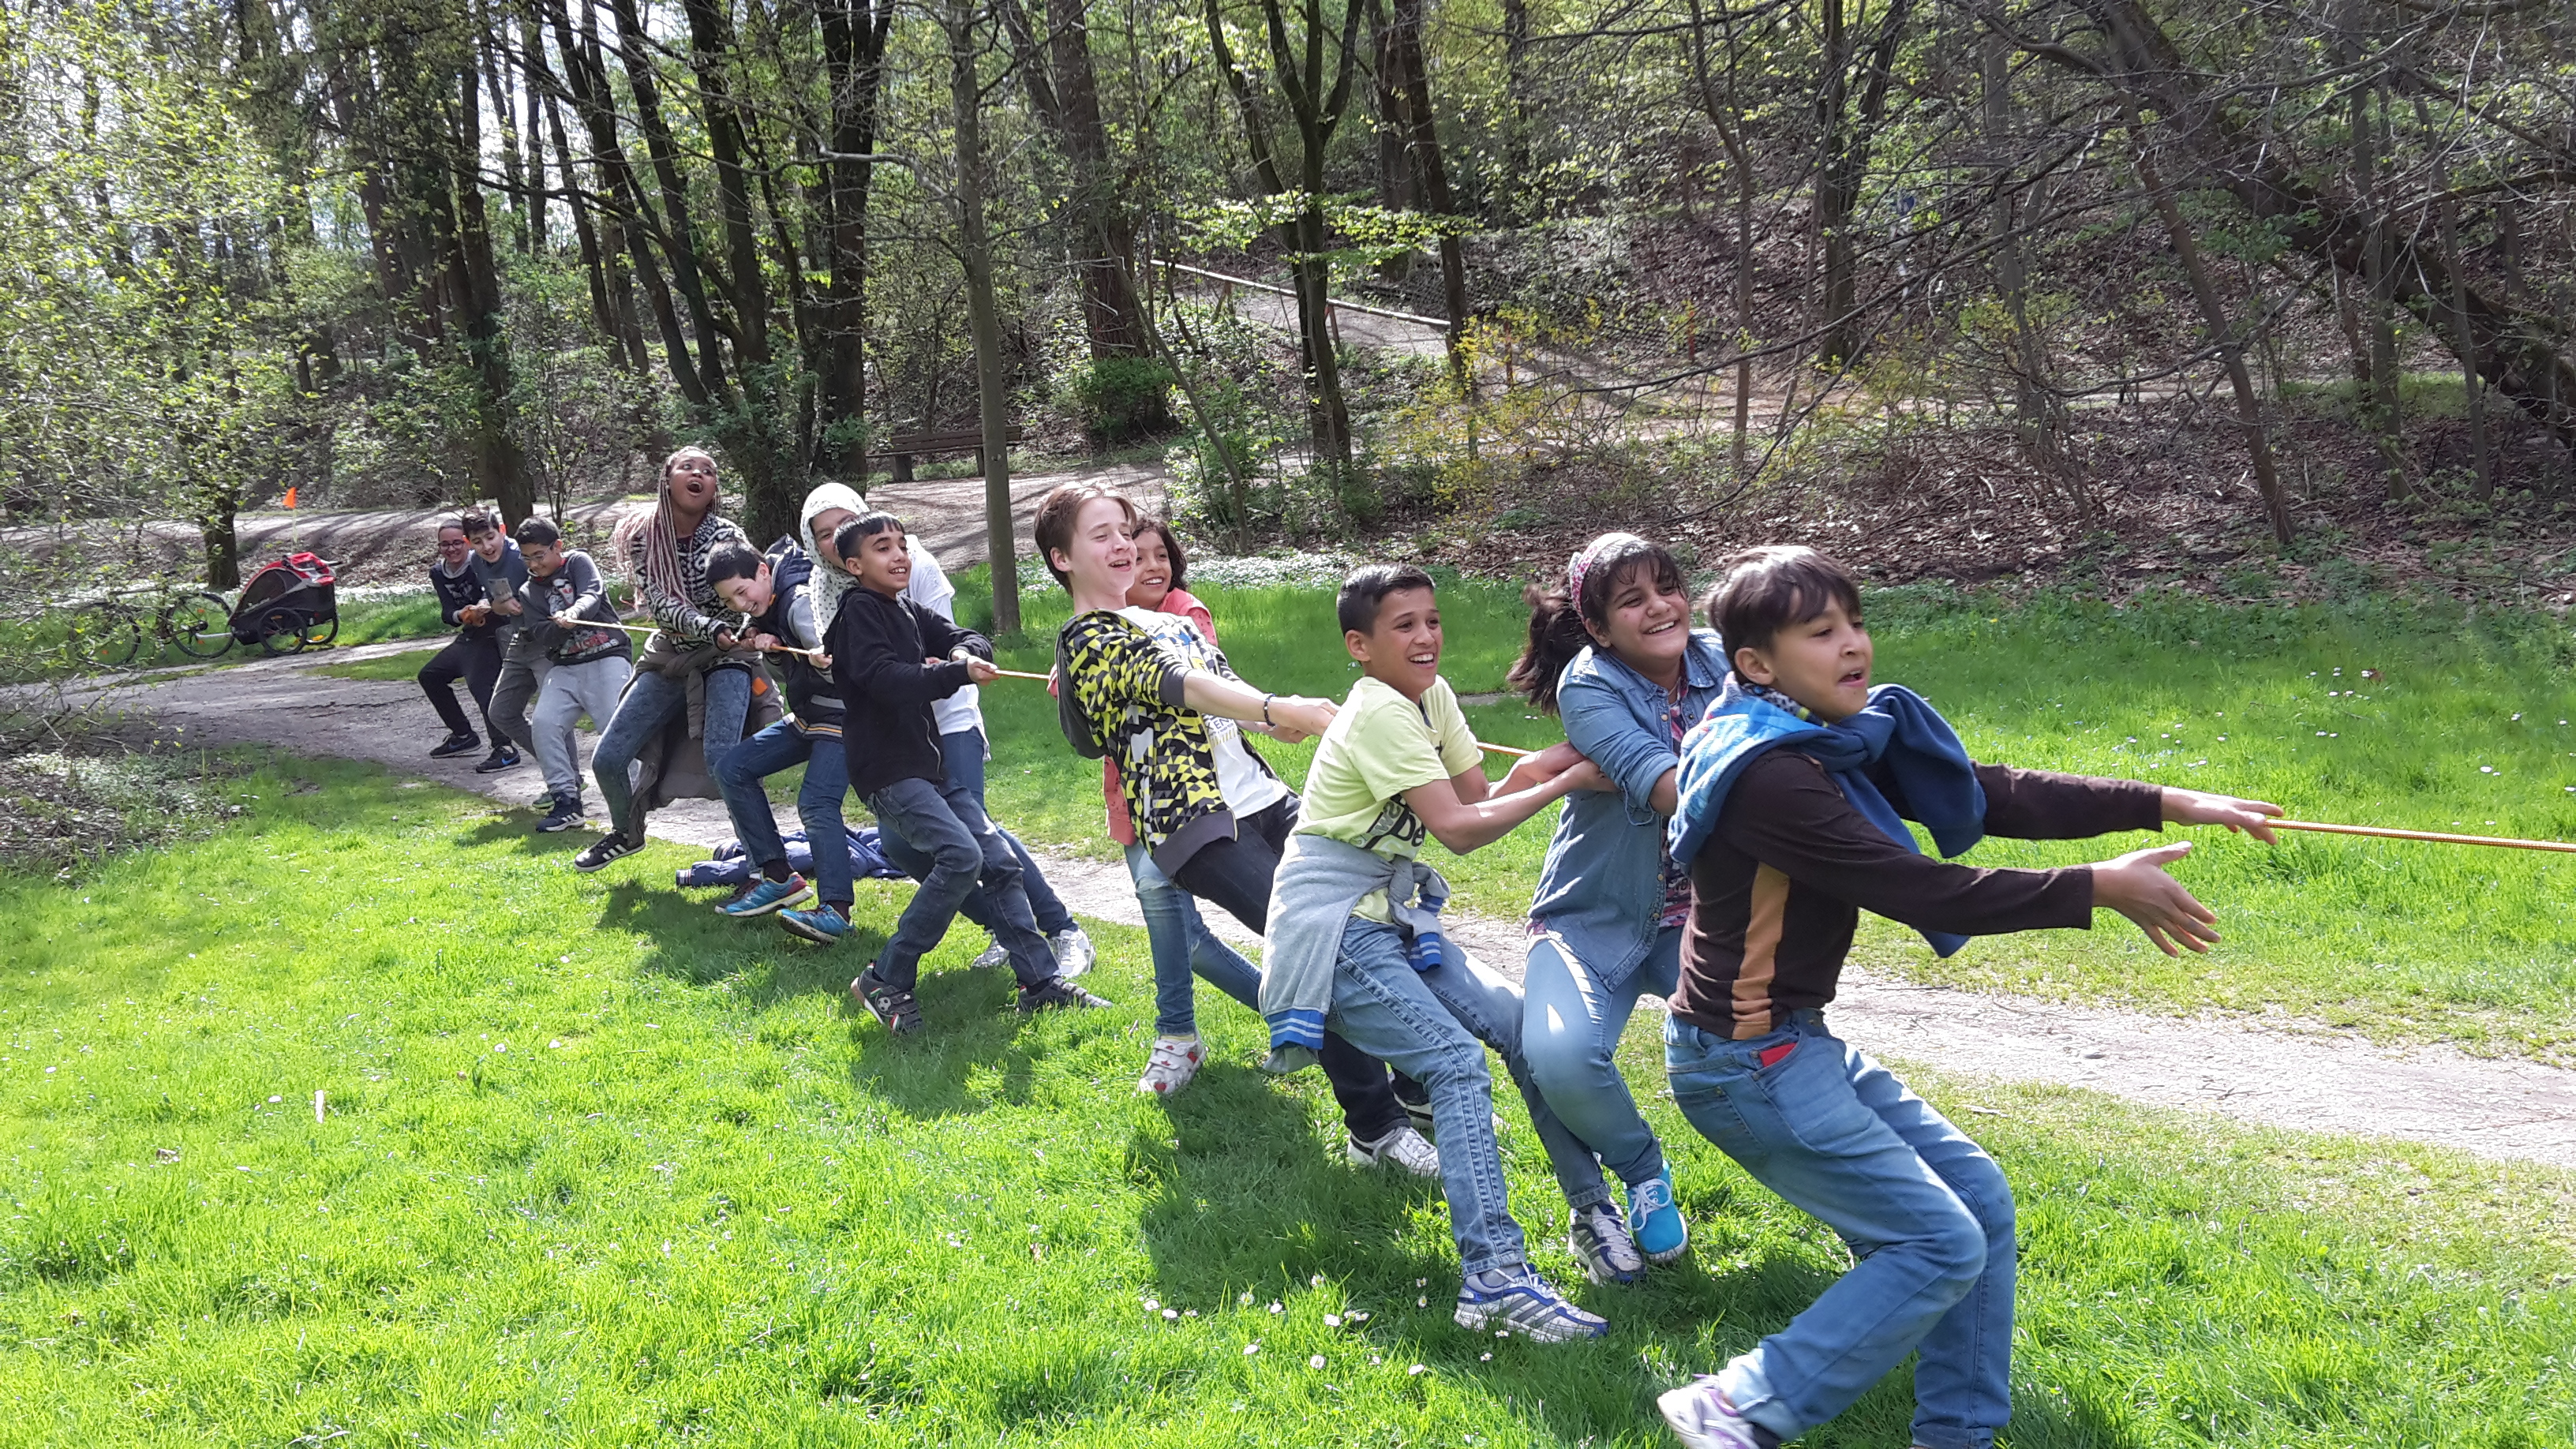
(1731, 797)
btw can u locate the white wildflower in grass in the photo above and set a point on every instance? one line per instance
(1252, 1348)
(1411, 1372)
(1316, 1362)
(1332, 1320)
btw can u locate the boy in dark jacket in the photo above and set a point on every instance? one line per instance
(775, 594)
(563, 617)
(883, 648)
(474, 655)
(497, 562)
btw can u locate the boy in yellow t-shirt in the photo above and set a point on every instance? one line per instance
(1398, 764)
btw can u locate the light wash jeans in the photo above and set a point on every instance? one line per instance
(962, 755)
(818, 802)
(649, 704)
(965, 849)
(569, 692)
(1571, 1034)
(1181, 944)
(1926, 1213)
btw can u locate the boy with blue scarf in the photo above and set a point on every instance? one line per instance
(1355, 943)
(1794, 792)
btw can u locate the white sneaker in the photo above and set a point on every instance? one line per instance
(1074, 953)
(1175, 1060)
(993, 956)
(1702, 1417)
(1403, 1147)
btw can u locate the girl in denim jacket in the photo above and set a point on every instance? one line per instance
(1612, 652)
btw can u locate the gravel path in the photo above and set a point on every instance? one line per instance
(2315, 1079)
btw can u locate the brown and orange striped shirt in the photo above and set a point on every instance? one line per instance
(1780, 885)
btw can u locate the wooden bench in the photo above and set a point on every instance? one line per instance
(902, 448)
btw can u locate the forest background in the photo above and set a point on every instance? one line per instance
(2267, 297)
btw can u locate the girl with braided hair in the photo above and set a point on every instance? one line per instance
(695, 645)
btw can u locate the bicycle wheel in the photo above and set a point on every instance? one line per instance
(200, 624)
(104, 637)
(281, 631)
(318, 633)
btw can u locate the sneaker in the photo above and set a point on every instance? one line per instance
(765, 896)
(612, 846)
(1516, 1300)
(1702, 1418)
(1403, 1147)
(1655, 1221)
(993, 956)
(1599, 1237)
(503, 757)
(457, 744)
(564, 816)
(1073, 951)
(897, 1009)
(823, 925)
(1175, 1060)
(1054, 992)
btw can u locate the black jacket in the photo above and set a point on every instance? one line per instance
(455, 592)
(811, 694)
(878, 648)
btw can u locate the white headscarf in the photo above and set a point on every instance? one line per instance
(828, 583)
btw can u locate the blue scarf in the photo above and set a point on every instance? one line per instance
(1896, 728)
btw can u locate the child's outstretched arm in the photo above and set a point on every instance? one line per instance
(1463, 812)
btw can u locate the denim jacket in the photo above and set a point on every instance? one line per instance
(1602, 886)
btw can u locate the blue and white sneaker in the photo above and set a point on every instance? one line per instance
(1519, 1301)
(766, 896)
(1704, 1418)
(824, 925)
(1655, 1221)
(1599, 1237)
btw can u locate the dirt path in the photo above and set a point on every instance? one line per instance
(2314, 1080)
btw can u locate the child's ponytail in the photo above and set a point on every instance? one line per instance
(1556, 635)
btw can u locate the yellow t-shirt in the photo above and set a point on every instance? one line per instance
(1380, 746)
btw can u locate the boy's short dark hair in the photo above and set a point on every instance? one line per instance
(538, 532)
(733, 561)
(476, 522)
(1054, 526)
(847, 538)
(1162, 529)
(1366, 589)
(1765, 590)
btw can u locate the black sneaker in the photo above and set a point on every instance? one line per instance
(612, 846)
(503, 757)
(1055, 992)
(564, 816)
(457, 744)
(897, 1009)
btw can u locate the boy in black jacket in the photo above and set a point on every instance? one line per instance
(883, 652)
(773, 591)
(474, 655)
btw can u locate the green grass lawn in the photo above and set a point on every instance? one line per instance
(598, 1167)
(387, 666)
(2466, 730)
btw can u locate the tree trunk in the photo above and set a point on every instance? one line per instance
(2231, 351)
(854, 40)
(678, 233)
(1727, 115)
(532, 57)
(983, 314)
(612, 305)
(2472, 393)
(500, 468)
(1431, 174)
(1519, 115)
(1848, 141)
(2039, 415)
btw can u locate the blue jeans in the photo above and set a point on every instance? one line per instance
(648, 704)
(1926, 1213)
(1571, 1033)
(818, 802)
(963, 756)
(965, 849)
(1181, 944)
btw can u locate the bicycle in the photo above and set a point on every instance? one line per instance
(107, 631)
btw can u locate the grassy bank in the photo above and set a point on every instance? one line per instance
(596, 1166)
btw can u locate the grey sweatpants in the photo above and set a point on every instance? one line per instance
(524, 667)
(571, 691)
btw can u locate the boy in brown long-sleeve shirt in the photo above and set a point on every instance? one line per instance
(1795, 791)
